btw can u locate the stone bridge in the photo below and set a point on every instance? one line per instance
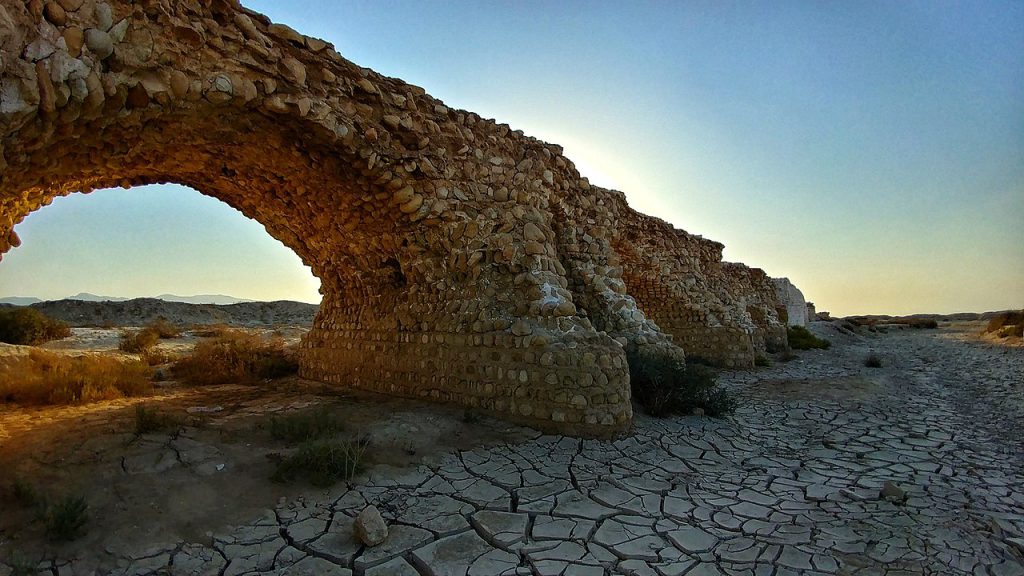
(460, 259)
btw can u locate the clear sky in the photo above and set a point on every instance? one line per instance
(873, 152)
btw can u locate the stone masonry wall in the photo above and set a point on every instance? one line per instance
(792, 299)
(460, 260)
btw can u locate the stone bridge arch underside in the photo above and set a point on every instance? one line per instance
(460, 260)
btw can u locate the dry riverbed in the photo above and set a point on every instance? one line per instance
(828, 467)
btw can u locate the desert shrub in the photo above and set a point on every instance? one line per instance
(148, 420)
(66, 520)
(305, 425)
(924, 323)
(322, 462)
(211, 331)
(873, 361)
(26, 494)
(761, 360)
(138, 341)
(164, 329)
(43, 377)
(1003, 320)
(155, 356)
(664, 385)
(29, 326)
(236, 356)
(800, 338)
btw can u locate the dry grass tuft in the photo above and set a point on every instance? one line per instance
(138, 341)
(236, 356)
(1006, 324)
(323, 462)
(43, 377)
(164, 329)
(143, 341)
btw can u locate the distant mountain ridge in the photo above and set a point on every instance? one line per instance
(20, 300)
(142, 311)
(219, 299)
(203, 299)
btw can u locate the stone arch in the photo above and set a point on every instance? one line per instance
(438, 269)
(460, 260)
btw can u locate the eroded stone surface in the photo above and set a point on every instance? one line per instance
(460, 260)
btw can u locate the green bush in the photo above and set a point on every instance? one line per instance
(322, 462)
(66, 520)
(303, 426)
(664, 385)
(28, 326)
(761, 360)
(800, 338)
(236, 356)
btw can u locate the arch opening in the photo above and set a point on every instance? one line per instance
(153, 241)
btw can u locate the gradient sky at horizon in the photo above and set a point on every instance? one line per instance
(873, 152)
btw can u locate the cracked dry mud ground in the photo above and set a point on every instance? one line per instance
(789, 485)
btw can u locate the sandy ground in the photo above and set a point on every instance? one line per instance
(791, 484)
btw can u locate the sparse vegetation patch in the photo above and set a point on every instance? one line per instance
(22, 566)
(26, 494)
(1007, 324)
(43, 377)
(800, 338)
(322, 462)
(144, 341)
(148, 420)
(164, 329)
(28, 326)
(664, 386)
(306, 425)
(66, 520)
(236, 356)
(873, 361)
(138, 341)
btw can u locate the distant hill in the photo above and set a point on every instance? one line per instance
(197, 299)
(141, 311)
(956, 317)
(87, 297)
(203, 299)
(19, 300)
